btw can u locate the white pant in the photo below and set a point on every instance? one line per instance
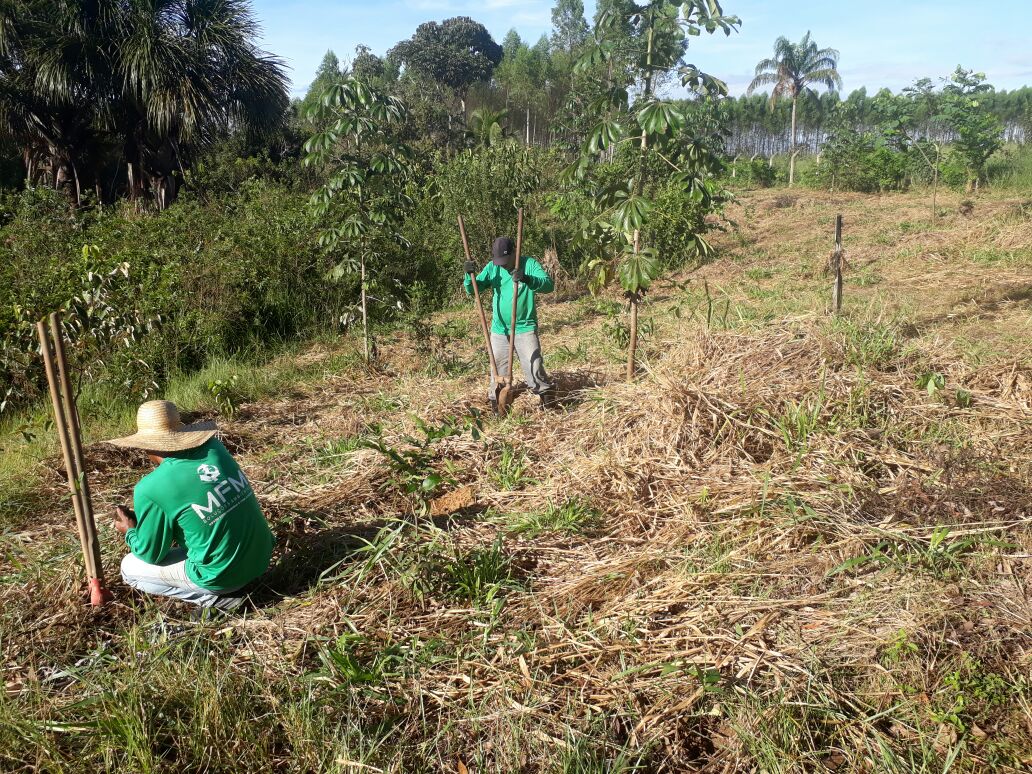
(167, 579)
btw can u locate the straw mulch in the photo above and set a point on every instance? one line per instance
(715, 575)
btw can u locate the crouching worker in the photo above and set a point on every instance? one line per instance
(196, 531)
(531, 278)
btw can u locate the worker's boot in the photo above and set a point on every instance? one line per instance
(549, 398)
(494, 406)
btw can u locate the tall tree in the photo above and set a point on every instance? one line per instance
(367, 168)
(979, 133)
(457, 52)
(569, 27)
(652, 126)
(792, 71)
(523, 74)
(327, 74)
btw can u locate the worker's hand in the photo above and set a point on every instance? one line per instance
(125, 520)
(469, 267)
(517, 274)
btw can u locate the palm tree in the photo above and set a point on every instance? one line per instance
(486, 129)
(87, 86)
(192, 74)
(791, 71)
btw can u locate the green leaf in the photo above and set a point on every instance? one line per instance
(659, 117)
(638, 270)
(630, 213)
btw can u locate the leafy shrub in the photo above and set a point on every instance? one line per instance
(858, 162)
(757, 173)
(151, 295)
(673, 222)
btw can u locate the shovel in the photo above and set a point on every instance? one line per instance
(496, 378)
(505, 397)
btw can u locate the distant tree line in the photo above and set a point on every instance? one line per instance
(754, 126)
(108, 99)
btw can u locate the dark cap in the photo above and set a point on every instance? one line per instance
(502, 251)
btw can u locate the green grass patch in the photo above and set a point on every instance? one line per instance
(569, 517)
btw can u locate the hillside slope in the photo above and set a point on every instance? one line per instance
(796, 543)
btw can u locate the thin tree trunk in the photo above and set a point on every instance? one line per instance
(791, 149)
(78, 187)
(365, 318)
(528, 126)
(935, 181)
(632, 347)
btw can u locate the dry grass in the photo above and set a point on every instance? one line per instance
(774, 552)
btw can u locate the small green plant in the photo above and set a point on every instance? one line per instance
(866, 345)
(563, 354)
(799, 421)
(343, 667)
(931, 382)
(757, 274)
(899, 649)
(963, 398)
(224, 393)
(568, 517)
(939, 557)
(970, 691)
(479, 576)
(511, 471)
(332, 450)
(414, 466)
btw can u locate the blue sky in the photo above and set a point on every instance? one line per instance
(882, 43)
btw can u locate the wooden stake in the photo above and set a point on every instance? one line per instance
(836, 293)
(496, 378)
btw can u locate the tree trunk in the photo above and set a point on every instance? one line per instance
(365, 318)
(791, 149)
(632, 347)
(935, 182)
(528, 127)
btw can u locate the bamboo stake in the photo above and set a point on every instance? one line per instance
(62, 434)
(76, 479)
(75, 437)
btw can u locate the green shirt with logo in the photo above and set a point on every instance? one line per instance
(199, 499)
(499, 279)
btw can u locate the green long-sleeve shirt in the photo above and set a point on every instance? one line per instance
(499, 280)
(200, 500)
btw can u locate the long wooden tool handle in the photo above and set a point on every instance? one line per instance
(480, 306)
(66, 449)
(75, 439)
(515, 292)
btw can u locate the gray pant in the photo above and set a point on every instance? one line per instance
(528, 349)
(167, 579)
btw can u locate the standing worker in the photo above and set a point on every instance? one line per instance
(531, 279)
(196, 531)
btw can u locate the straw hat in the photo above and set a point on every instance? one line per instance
(159, 429)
